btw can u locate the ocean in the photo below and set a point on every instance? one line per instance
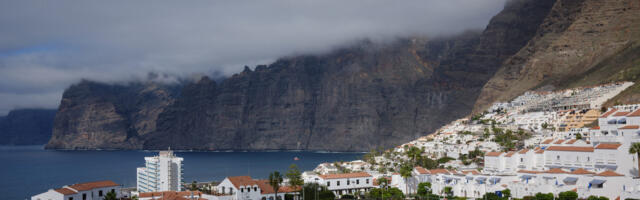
(29, 170)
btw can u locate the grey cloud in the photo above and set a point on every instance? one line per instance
(47, 45)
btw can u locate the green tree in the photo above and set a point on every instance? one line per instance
(568, 195)
(294, 176)
(490, 196)
(422, 189)
(110, 196)
(194, 186)
(578, 136)
(635, 148)
(134, 197)
(506, 193)
(542, 196)
(275, 180)
(448, 191)
(405, 172)
(597, 198)
(413, 153)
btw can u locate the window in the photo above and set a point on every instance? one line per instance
(241, 189)
(357, 181)
(588, 159)
(367, 181)
(100, 193)
(113, 190)
(255, 189)
(84, 196)
(521, 159)
(348, 181)
(577, 158)
(223, 190)
(70, 198)
(328, 183)
(337, 183)
(557, 157)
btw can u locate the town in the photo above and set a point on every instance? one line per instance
(541, 145)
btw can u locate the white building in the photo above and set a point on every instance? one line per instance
(81, 191)
(174, 195)
(246, 188)
(161, 173)
(347, 183)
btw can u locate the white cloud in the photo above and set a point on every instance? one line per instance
(47, 45)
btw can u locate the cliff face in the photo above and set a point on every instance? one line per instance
(26, 127)
(577, 39)
(96, 115)
(352, 99)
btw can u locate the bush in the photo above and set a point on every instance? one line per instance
(347, 196)
(541, 196)
(568, 195)
(288, 196)
(528, 198)
(421, 189)
(597, 198)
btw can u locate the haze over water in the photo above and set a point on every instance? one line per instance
(29, 170)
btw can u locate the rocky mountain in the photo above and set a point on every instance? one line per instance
(581, 42)
(352, 99)
(27, 126)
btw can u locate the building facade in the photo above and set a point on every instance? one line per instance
(82, 191)
(161, 173)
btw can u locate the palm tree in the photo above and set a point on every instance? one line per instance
(635, 148)
(405, 172)
(275, 179)
(110, 196)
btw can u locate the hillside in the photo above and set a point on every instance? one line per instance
(26, 127)
(352, 99)
(581, 42)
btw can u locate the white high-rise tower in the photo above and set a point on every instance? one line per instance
(161, 173)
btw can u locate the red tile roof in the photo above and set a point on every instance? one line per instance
(510, 154)
(618, 114)
(630, 127)
(93, 185)
(439, 171)
(265, 188)
(493, 153)
(634, 113)
(608, 146)
(539, 151)
(571, 141)
(65, 191)
(241, 181)
(596, 128)
(474, 172)
(570, 148)
(613, 110)
(523, 151)
(581, 171)
(528, 171)
(422, 170)
(345, 175)
(559, 141)
(609, 173)
(547, 141)
(555, 171)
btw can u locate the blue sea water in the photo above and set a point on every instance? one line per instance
(29, 170)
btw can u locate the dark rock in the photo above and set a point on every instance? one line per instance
(26, 126)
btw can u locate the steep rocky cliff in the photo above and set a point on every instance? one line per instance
(575, 45)
(352, 99)
(104, 116)
(26, 127)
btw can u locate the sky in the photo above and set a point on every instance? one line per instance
(45, 46)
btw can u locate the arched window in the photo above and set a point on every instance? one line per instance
(270, 198)
(255, 188)
(241, 189)
(264, 198)
(223, 190)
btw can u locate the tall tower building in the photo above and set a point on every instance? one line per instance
(161, 173)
